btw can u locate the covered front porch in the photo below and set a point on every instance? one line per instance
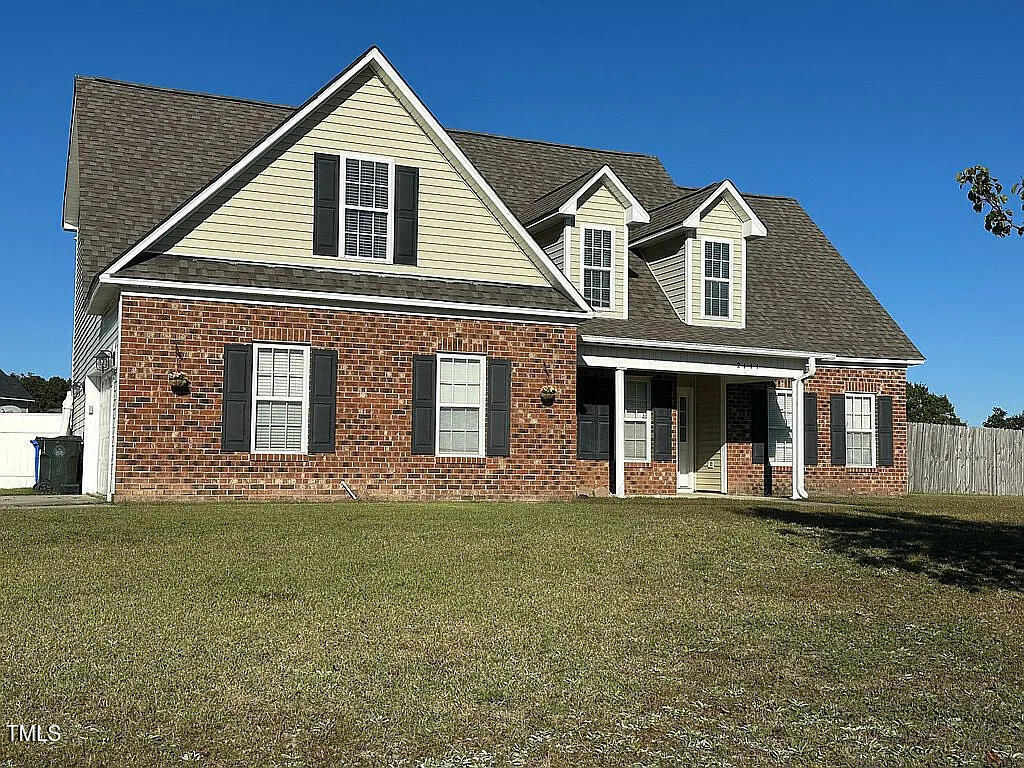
(663, 421)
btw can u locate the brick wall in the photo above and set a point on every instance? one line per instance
(747, 477)
(169, 445)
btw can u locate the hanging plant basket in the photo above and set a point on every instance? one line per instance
(180, 384)
(548, 394)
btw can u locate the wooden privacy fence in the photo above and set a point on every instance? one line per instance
(947, 459)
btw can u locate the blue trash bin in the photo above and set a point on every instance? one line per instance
(35, 444)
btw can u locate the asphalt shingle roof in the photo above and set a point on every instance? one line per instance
(143, 151)
(191, 269)
(12, 389)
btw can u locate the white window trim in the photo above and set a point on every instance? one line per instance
(256, 347)
(704, 279)
(611, 269)
(773, 394)
(874, 430)
(645, 420)
(482, 421)
(390, 246)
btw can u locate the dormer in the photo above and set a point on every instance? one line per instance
(583, 226)
(696, 247)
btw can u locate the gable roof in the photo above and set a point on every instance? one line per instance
(686, 213)
(785, 312)
(12, 389)
(143, 150)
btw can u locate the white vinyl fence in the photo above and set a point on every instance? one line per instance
(946, 459)
(17, 456)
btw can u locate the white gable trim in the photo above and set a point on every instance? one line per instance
(373, 57)
(751, 228)
(635, 212)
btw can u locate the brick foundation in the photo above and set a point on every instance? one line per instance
(169, 445)
(747, 477)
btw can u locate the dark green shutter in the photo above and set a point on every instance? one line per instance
(323, 384)
(593, 417)
(499, 407)
(837, 429)
(884, 430)
(810, 429)
(326, 203)
(407, 192)
(424, 384)
(236, 413)
(661, 399)
(759, 424)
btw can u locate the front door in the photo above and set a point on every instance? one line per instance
(684, 441)
(103, 437)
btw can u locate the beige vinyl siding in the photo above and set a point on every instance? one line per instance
(267, 213)
(667, 261)
(708, 451)
(551, 240)
(721, 222)
(602, 208)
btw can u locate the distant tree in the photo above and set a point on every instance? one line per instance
(49, 393)
(1000, 420)
(928, 407)
(985, 191)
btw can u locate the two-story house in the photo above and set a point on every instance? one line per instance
(347, 298)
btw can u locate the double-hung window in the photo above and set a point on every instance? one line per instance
(637, 426)
(860, 430)
(280, 399)
(597, 267)
(780, 426)
(460, 405)
(369, 185)
(717, 270)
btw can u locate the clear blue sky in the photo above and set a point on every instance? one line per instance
(864, 111)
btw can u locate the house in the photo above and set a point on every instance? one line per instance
(14, 398)
(297, 302)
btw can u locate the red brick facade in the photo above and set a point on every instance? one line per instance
(169, 445)
(747, 477)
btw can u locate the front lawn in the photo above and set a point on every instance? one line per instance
(645, 632)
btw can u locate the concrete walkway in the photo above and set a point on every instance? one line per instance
(46, 500)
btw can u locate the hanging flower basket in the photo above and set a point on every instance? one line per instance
(179, 382)
(548, 393)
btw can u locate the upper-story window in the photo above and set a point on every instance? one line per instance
(597, 267)
(717, 271)
(368, 196)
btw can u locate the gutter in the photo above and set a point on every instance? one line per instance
(799, 492)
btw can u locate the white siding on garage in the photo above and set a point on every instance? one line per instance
(267, 213)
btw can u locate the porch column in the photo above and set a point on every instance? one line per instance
(798, 435)
(618, 430)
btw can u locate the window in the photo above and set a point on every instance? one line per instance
(860, 430)
(597, 267)
(637, 426)
(368, 185)
(780, 426)
(281, 387)
(460, 405)
(716, 278)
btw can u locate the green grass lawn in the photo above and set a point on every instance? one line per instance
(16, 491)
(644, 632)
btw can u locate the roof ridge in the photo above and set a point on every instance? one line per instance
(550, 143)
(182, 91)
(745, 194)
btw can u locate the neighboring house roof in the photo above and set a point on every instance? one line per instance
(143, 150)
(369, 285)
(12, 389)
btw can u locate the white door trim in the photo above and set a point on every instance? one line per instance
(685, 481)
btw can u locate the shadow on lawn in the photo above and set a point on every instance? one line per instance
(969, 554)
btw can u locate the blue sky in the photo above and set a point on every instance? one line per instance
(864, 111)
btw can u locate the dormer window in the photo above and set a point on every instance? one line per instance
(717, 281)
(597, 267)
(368, 185)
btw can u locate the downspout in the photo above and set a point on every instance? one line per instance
(799, 492)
